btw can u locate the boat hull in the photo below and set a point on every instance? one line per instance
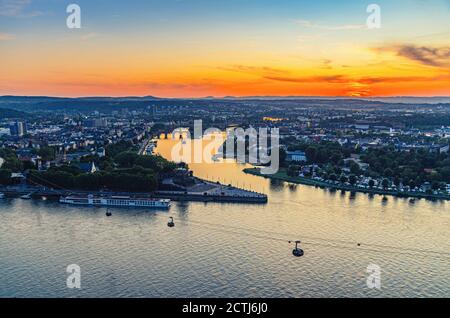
(117, 202)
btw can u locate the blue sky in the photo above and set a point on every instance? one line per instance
(193, 43)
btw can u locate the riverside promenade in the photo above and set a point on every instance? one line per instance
(203, 192)
(282, 176)
(206, 191)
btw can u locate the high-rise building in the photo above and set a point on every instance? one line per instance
(18, 128)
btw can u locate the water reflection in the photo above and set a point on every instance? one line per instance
(134, 253)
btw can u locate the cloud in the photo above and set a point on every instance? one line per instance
(12, 7)
(343, 79)
(357, 86)
(377, 80)
(6, 37)
(256, 70)
(16, 8)
(426, 55)
(310, 79)
(312, 25)
(326, 64)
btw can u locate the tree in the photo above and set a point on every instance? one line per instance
(11, 161)
(90, 158)
(293, 170)
(371, 183)
(156, 163)
(283, 156)
(28, 165)
(12, 164)
(5, 176)
(397, 181)
(46, 153)
(343, 179)
(126, 159)
(107, 166)
(445, 173)
(52, 178)
(114, 149)
(311, 153)
(388, 173)
(355, 169)
(322, 155)
(87, 181)
(353, 179)
(336, 157)
(385, 183)
(435, 185)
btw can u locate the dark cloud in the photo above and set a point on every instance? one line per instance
(432, 56)
(376, 80)
(342, 79)
(309, 79)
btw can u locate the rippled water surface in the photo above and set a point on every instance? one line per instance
(229, 250)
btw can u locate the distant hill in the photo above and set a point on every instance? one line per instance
(393, 99)
(6, 113)
(50, 104)
(34, 104)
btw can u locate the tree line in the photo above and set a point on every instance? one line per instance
(412, 167)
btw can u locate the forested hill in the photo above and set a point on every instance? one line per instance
(51, 104)
(6, 113)
(108, 104)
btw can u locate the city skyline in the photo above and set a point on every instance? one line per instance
(201, 48)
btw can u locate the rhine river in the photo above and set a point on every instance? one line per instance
(229, 250)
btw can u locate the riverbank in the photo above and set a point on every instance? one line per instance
(282, 176)
(207, 191)
(202, 191)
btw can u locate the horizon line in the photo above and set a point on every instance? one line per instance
(230, 96)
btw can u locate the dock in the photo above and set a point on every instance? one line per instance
(214, 192)
(204, 192)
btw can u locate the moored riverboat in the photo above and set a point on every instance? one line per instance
(116, 201)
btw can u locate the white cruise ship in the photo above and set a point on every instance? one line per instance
(117, 201)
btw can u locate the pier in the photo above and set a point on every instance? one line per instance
(213, 192)
(204, 192)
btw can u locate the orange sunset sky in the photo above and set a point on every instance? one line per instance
(197, 48)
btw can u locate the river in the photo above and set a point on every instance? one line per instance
(229, 250)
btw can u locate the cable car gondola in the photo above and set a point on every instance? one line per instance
(297, 252)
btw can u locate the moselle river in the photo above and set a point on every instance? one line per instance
(229, 250)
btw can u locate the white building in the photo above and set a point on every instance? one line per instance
(296, 156)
